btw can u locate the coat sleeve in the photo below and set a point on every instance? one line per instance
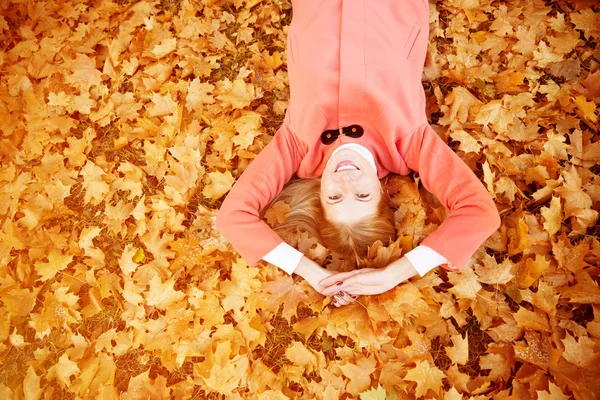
(473, 216)
(238, 218)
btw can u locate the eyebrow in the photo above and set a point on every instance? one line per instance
(364, 201)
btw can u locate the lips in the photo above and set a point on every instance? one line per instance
(345, 162)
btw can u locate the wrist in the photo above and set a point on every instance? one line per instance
(400, 270)
(307, 269)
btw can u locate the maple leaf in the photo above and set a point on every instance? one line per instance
(162, 294)
(585, 291)
(19, 302)
(276, 214)
(374, 394)
(537, 350)
(283, 291)
(461, 101)
(198, 94)
(468, 143)
(247, 126)
(497, 364)
(63, 370)
(552, 216)
(31, 385)
(459, 353)
(580, 353)
(161, 105)
(238, 94)
(142, 387)
(298, 354)
(57, 261)
(220, 183)
(530, 271)
(493, 273)
(165, 47)
(532, 320)
(220, 372)
(243, 282)
(359, 373)
(553, 393)
(85, 74)
(428, 377)
(465, 284)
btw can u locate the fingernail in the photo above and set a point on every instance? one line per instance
(341, 294)
(339, 283)
(334, 301)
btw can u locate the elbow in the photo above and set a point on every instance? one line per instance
(220, 222)
(494, 217)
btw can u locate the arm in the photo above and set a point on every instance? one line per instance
(473, 215)
(238, 218)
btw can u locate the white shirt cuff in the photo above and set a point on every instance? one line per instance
(424, 259)
(285, 257)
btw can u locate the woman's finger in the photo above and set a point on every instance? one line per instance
(341, 299)
(340, 276)
(349, 283)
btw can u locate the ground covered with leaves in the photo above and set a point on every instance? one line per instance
(124, 123)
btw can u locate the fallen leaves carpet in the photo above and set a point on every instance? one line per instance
(123, 124)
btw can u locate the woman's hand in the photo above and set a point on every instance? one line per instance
(369, 281)
(313, 273)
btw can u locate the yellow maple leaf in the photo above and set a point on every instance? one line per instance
(161, 105)
(238, 94)
(63, 370)
(283, 291)
(468, 143)
(428, 377)
(586, 108)
(57, 261)
(534, 320)
(552, 216)
(19, 302)
(31, 385)
(220, 183)
(465, 284)
(459, 353)
(248, 127)
(162, 294)
(165, 47)
(198, 94)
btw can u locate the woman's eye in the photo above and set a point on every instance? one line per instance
(334, 197)
(363, 196)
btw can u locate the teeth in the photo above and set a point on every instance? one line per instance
(345, 167)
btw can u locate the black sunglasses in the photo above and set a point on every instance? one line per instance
(329, 136)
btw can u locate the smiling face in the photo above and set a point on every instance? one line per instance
(349, 193)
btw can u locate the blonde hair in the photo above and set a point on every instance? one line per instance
(348, 241)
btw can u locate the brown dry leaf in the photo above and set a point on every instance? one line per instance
(276, 215)
(581, 352)
(553, 393)
(585, 291)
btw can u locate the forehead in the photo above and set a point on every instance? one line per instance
(350, 210)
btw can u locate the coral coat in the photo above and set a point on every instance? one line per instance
(359, 62)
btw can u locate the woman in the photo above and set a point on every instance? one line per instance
(356, 113)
